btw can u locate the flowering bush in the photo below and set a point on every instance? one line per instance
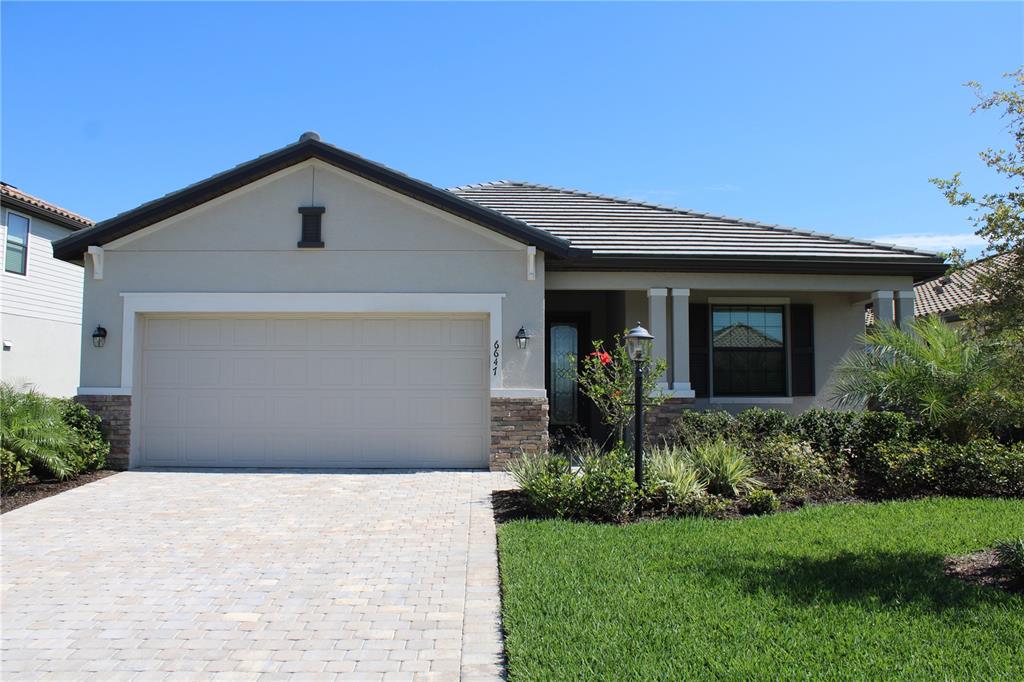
(606, 377)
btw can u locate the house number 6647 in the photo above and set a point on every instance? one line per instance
(497, 354)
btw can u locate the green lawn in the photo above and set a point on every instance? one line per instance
(835, 592)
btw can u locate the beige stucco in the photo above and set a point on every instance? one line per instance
(377, 241)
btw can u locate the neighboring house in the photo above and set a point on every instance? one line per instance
(947, 296)
(40, 296)
(311, 308)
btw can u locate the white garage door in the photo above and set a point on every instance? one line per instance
(325, 391)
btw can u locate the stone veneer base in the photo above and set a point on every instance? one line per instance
(658, 420)
(517, 425)
(116, 413)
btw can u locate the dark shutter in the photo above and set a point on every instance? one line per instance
(311, 237)
(801, 347)
(700, 377)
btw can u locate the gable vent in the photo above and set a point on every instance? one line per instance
(311, 235)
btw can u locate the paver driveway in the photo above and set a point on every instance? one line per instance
(250, 575)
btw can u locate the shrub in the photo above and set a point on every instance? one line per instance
(607, 489)
(826, 430)
(723, 467)
(761, 502)
(547, 481)
(756, 424)
(796, 470)
(693, 427)
(671, 477)
(870, 428)
(600, 489)
(32, 432)
(12, 471)
(981, 468)
(1011, 557)
(90, 449)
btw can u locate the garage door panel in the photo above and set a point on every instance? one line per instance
(329, 391)
(379, 372)
(203, 333)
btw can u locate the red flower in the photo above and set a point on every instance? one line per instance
(603, 356)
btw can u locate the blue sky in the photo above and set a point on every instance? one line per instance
(821, 116)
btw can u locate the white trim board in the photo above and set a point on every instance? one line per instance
(140, 303)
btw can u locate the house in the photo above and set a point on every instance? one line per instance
(311, 308)
(947, 296)
(40, 296)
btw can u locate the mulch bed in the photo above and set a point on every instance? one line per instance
(34, 489)
(982, 568)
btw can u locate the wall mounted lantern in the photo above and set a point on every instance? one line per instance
(99, 337)
(522, 338)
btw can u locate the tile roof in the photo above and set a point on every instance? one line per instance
(610, 226)
(12, 195)
(947, 294)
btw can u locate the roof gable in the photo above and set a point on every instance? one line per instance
(309, 146)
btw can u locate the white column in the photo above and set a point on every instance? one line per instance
(905, 309)
(657, 319)
(681, 343)
(881, 306)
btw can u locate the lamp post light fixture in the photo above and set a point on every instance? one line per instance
(638, 343)
(522, 338)
(99, 337)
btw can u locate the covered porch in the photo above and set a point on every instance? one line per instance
(730, 341)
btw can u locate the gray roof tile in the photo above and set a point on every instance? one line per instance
(610, 226)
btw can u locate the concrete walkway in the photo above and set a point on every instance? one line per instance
(255, 575)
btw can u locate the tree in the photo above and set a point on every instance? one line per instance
(999, 219)
(607, 378)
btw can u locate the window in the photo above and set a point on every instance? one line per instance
(748, 350)
(17, 243)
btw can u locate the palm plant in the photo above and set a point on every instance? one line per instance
(33, 432)
(933, 373)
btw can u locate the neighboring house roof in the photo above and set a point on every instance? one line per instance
(944, 295)
(627, 233)
(14, 198)
(308, 147)
(741, 335)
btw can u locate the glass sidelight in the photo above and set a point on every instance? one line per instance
(563, 348)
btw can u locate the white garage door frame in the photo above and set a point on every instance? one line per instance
(142, 303)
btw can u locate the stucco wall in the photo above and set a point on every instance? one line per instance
(376, 241)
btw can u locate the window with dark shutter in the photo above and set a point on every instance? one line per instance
(311, 237)
(801, 348)
(699, 368)
(748, 350)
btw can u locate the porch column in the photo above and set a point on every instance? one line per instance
(905, 309)
(657, 318)
(881, 306)
(681, 343)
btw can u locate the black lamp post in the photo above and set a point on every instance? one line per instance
(638, 341)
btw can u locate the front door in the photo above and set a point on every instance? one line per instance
(567, 336)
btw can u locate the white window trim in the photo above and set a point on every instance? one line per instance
(140, 303)
(7, 236)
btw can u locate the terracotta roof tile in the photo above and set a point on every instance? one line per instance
(12, 192)
(948, 294)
